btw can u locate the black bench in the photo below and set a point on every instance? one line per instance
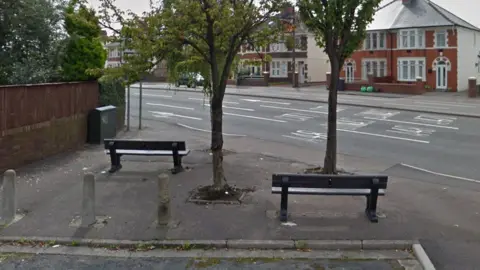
(370, 186)
(117, 148)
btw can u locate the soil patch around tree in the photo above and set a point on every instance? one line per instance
(210, 195)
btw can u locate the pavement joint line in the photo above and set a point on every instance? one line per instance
(338, 103)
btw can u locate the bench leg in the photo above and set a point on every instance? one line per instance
(177, 160)
(371, 209)
(115, 161)
(284, 205)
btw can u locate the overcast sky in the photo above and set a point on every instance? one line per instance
(465, 9)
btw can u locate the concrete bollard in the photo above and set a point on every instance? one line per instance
(88, 203)
(163, 208)
(9, 198)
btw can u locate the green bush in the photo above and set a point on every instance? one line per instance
(112, 92)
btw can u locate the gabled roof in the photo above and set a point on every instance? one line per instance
(417, 13)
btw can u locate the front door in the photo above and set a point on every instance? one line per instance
(301, 73)
(442, 78)
(349, 74)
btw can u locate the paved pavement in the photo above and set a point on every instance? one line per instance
(443, 146)
(439, 212)
(457, 104)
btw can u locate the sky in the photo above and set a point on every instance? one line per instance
(465, 9)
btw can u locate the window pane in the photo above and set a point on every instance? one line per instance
(368, 67)
(413, 72)
(405, 41)
(420, 40)
(367, 45)
(382, 69)
(375, 69)
(374, 40)
(440, 39)
(412, 39)
(420, 69)
(382, 40)
(405, 70)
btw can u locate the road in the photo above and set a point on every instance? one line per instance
(440, 145)
(60, 262)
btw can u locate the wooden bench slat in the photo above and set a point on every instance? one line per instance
(326, 191)
(323, 181)
(149, 152)
(144, 144)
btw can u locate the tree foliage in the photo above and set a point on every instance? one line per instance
(31, 41)
(339, 27)
(85, 49)
(201, 36)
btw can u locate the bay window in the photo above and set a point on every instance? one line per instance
(411, 68)
(377, 67)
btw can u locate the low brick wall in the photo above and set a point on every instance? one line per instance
(399, 88)
(37, 121)
(252, 82)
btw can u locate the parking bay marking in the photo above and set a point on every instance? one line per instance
(411, 123)
(291, 109)
(412, 131)
(350, 124)
(439, 120)
(298, 117)
(377, 114)
(315, 137)
(308, 136)
(168, 114)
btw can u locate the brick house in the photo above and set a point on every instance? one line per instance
(414, 46)
(311, 62)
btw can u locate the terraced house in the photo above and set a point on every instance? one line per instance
(414, 46)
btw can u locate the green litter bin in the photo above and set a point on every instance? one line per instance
(102, 124)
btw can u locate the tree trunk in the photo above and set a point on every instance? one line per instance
(330, 162)
(216, 118)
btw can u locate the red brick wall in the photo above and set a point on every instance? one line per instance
(37, 121)
(429, 53)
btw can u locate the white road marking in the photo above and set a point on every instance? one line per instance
(414, 106)
(153, 95)
(235, 108)
(226, 102)
(339, 109)
(440, 120)
(382, 114)
(291, 109)
(264, 101)
(412, 123)
(445, 104)
(170, 106)
(350, 124)
(255, 117)
(383, 136)
(441, 174)
(167, 114)
(296, 117)
(300, 138)
(411, 131)
(209, 131)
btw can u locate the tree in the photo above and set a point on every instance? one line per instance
(339, 27)
(31, 41)
(203, 36)
(84, 50)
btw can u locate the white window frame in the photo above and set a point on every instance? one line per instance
(435, 38)
(278, 69)
(278, 47)
(412, 36)
(374, 62)
(371, 41)
(420, 69)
